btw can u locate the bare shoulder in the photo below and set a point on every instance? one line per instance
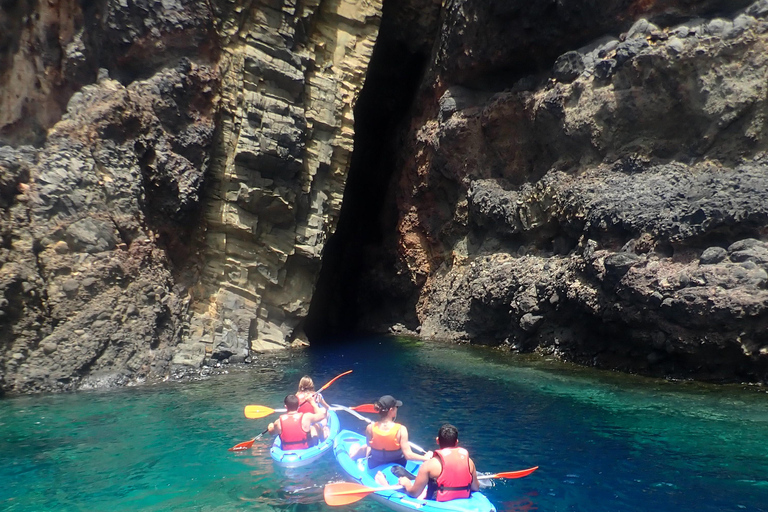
(433, 466)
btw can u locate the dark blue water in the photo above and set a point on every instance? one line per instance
(603, 441)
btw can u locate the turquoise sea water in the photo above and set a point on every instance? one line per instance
(603, 441)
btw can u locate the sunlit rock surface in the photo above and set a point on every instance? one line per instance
(291, 74)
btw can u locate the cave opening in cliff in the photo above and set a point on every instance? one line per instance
(367, 216)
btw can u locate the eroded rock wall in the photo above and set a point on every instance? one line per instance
(169, 175)
(108, 117)
(610, 209)
(291, 76)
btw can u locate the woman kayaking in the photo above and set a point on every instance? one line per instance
(387, 441)
(307, 395)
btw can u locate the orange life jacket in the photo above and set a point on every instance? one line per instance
(455, 480)
(292, 435)
(385, 447)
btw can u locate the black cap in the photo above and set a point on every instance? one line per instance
(387, 402)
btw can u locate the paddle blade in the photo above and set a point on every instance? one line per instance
(344, 493)
(513, 474)
(369, 408)
(257, 411)
(242, 446)
(333, 380)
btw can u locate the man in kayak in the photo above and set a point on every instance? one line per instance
(387, 440)
(296, 429)
(308, 399)
(449, 475)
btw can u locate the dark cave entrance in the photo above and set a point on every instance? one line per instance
(367, 215)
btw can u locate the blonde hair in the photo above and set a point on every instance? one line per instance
(306, 384)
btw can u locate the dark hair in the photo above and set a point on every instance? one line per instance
(291, 403)
(447, 436)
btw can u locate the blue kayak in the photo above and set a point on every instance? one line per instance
(299, 458)
(398, 500)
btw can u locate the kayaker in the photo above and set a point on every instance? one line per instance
(296, 429)
(450, 474)
(306, 395)
(387, 440)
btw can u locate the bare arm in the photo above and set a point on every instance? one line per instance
(406, 447)
(475, 481)
(274, 428)
(369, 433)
(414, 489)
(322, 401)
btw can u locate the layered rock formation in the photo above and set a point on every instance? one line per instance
(611, 210)
(162, 155)
(291, 76)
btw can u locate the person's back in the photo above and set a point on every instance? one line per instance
(292, 434)
(387, 440)
(449, 475)
(385, 444)
(296, 428)
(455, 478)
(306, 394)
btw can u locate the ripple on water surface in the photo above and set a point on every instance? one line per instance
(604, 442)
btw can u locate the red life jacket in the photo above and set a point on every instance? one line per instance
(455, 480)
(305, 402)
(292, 435)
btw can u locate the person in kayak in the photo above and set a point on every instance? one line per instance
(297, 430)
(387, 440)
(307, 395)
(450, 474)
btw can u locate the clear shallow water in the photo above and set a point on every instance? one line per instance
(604, 442)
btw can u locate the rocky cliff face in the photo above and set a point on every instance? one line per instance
(101, 187)
(609, 209)
(168, 177)
(291, 74)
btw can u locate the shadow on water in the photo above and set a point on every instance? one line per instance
(603, 441)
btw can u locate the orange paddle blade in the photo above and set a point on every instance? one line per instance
(512, 474)
(242, 446)
(365, 408)
(344, 493)
(333, 380)
(258, 411)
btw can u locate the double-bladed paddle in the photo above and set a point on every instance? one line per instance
(259, 411)
(344, 493)
(253, 412)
